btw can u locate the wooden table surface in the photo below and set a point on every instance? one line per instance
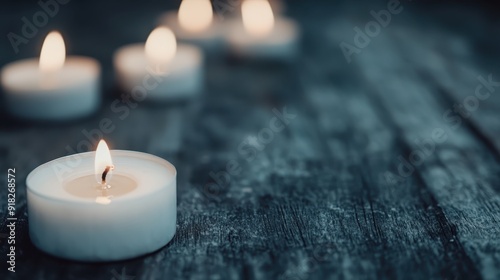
(380, 172)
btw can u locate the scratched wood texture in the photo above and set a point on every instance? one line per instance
(324, 198)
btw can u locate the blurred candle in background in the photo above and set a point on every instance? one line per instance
(52, 88)
(196, 24)
(160, 69)
(260, 34)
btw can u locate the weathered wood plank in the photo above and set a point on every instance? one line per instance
(368, 145)
(469, 204)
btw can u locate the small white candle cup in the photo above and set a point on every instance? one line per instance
(70, 216)
(195, 24)
(66, 91)
(259, 35)
(173, 73)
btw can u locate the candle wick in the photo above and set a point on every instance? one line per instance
(105, 173)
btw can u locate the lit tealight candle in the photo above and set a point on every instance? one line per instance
(259, 34)
(194, 23)
(161, 69)
(78, 211)
(53, 88)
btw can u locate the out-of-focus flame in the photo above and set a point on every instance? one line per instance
(53, 53)
(195, 15)
(258, 17)
(161, 46)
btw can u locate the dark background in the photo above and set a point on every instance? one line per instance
(324, 199)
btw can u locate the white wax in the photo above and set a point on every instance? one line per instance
(280, 44)
(72, 92)
(136, 220)
(183, 77)
(210, 40)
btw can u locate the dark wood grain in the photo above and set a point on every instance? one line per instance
(325, 198)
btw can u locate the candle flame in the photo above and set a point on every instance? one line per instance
(195, 15)
(161, 45)
(53, 53)
(258, 17)
(103, 163)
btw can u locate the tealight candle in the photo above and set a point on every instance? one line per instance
(161, 69)
(194, 23)
(54, 87)
(102, 206)
(258, 34)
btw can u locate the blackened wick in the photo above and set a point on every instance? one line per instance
(105, 173)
